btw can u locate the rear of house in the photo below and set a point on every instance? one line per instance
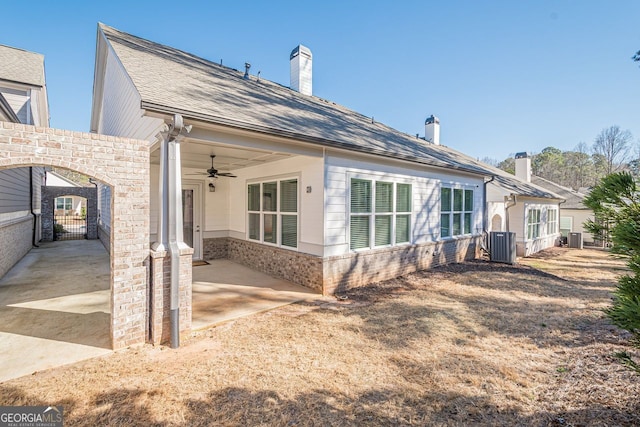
(281, 180)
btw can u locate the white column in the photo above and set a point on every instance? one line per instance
(170, 221)
(162, 242)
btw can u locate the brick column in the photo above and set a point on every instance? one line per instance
(160, 295)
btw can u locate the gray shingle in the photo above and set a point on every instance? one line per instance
(169, 79)
(573, 198)
(21, 66)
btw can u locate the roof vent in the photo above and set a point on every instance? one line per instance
(246, 70)
(300, 64)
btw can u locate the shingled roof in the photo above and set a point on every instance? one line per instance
(21, 66)
(173, 81)
(573, 198)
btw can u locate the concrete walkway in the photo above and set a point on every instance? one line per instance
(54, 307)
(54, 304)
(225, 290)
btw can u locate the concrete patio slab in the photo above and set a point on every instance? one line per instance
(54, 308)
(225, 290)
(54, 304)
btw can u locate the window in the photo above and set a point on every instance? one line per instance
(456, 211)
(380, 213)
(533, 224)
(289, 213)
(273, 212)
(552, 221)
(360, 213)
(566, 225)
(64, 203)
(403, 213)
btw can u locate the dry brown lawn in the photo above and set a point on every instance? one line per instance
(470, 344)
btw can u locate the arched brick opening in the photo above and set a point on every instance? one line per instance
(123, 164)
(49, 194)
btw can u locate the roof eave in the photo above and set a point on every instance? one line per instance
(161, 109)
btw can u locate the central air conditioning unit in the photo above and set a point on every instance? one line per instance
(575, 240)
(502, 247)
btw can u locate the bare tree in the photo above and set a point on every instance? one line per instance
(490, 161)
(612, 144)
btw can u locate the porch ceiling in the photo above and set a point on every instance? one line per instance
(196, 154)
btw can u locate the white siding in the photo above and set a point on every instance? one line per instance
(54, 180)
(120, 113)
(19, 102)
(521, 210)
(579, 217)
(14, 190)
(35, 113)
(38, 180)
(309, 171)
(425, 183)
(496, 220)
(517, 220)
(216, 205)
(121, 116)
(225, 210)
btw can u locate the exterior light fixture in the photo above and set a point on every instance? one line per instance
(212, 188)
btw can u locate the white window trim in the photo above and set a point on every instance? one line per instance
(277, 212)
(372, 215)
(556, 221)
(529, 209)
(64, 203)
(453, 187)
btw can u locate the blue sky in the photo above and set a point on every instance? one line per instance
(502, 76)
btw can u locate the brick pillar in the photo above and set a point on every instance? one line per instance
(186, 289)
(160, 295)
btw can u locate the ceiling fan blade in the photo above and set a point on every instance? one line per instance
(227, 174)
(197, 173)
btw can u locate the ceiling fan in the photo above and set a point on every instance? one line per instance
(213, 172)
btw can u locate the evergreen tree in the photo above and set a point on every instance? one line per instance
(616, 204)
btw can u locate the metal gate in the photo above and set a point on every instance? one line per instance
(69, 225)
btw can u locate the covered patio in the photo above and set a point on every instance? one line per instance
(225, 290)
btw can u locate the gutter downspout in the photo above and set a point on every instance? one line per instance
(485, 215)
(507, 200)
(560, 210)
(172, 183)
(33, 213)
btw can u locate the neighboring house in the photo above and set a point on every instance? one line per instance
(573, 212)
(533, 215)
(23, 99)
(67, 204)
(321, 195)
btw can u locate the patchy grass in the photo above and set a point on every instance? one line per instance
(474, 343)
